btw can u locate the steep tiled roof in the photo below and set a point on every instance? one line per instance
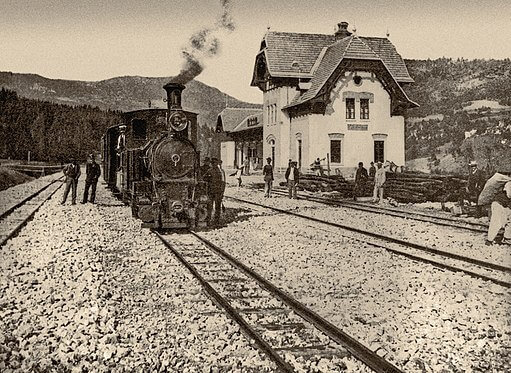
(352, 47)
(333, 56)
(231, 117)
(244, 124)
(283, 48)
(392, 60)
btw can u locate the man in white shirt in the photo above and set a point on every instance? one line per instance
(379, 180)
(292, 177)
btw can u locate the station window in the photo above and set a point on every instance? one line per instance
(379, 151)
(335, 151)
(350, 108)
(364, 108)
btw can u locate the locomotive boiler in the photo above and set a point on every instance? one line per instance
(151, 161)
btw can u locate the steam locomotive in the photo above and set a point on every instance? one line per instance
(151, 161)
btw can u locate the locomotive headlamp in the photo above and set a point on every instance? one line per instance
(178, 121)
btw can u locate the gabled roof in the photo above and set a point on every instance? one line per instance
(230, 118)
(245, 125)
(284, 48)
(281, 49)
(349, 48)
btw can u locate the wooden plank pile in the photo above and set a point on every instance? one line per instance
(409, 187)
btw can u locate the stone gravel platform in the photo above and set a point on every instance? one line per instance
(84, 289)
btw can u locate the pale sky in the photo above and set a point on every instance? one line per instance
(101, 39)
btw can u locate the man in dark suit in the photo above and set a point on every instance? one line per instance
(360, 181)
(72, 173)
(92, 172)
(214, 178)
(475, 184)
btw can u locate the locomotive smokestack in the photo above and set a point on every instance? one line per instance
(174, 91)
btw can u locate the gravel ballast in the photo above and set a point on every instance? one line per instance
(420, 317)
(84, 288)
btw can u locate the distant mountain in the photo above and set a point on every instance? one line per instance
(122, 93)
(465, 114)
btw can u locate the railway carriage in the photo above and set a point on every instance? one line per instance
(151, 161)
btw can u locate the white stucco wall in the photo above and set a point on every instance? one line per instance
(227, 153)
(358, 145)
(315, 130)
(279, 128)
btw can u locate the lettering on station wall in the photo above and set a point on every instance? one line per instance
(357, 127)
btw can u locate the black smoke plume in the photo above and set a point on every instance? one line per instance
(204, 44)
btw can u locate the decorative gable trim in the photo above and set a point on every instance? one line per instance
(358, 95)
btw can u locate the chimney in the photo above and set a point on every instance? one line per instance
(342, 31)
(174, 95)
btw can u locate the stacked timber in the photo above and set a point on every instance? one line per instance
(419, 187)
(408, 187)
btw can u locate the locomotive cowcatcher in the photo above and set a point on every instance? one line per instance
(151, 161)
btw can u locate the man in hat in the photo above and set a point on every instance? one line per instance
(360, 181)
(213, 177)
(268, 177)
(292, 177)
(475, 184)
(72, 173)
(92, 172)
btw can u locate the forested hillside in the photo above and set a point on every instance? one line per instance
(48, 116)
(465, 113)
(49, 131)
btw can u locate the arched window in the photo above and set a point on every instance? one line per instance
(299, 149)
(271, 141)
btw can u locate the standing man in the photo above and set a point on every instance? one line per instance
(246, 163)
(501, 216)
(72, 173)
(360, 181)
(215, 190)
(475, 184)
(372, 170)
(292, 177)
(92, 172)
(268, 177)
(379, 180)
(223, 184)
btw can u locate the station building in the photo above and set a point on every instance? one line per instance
(242, 130)
(335, 97)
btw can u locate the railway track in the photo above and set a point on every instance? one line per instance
(415, 215)
(281, 327)
(442, 259)
(18, 215)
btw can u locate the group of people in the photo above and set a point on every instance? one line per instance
(362, 176)
(292, 177)
(72, 173)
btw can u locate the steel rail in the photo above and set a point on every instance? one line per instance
(13, 232)
(486, 265)
(419, 216)
(25, 200)
(219, 300)
(358, 350)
